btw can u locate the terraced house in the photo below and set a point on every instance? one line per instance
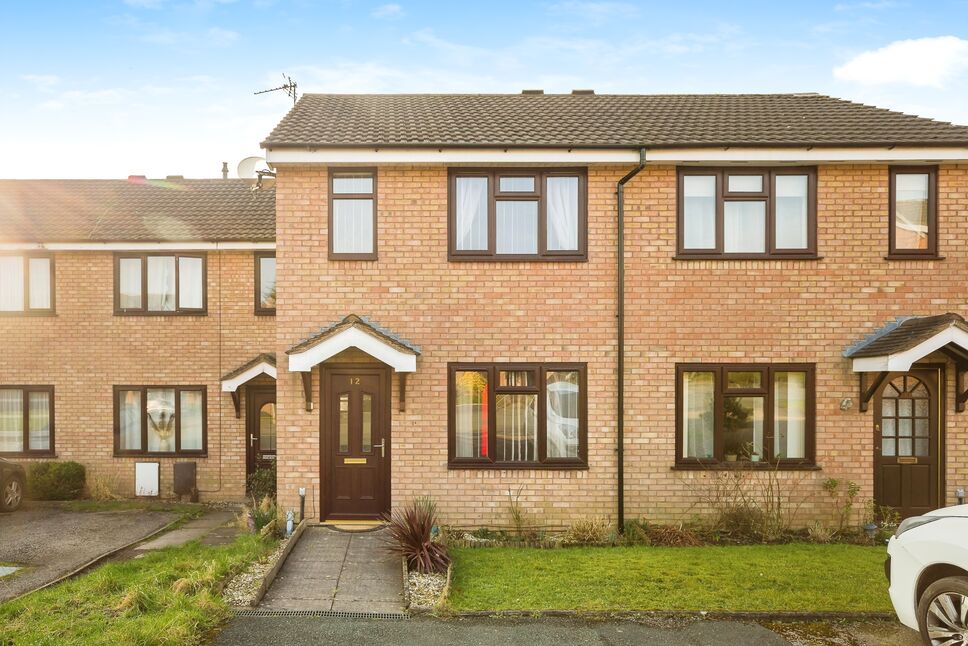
(596, 301)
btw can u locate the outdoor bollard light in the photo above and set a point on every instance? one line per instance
(960, 495)
(302, 503)
(871, 530)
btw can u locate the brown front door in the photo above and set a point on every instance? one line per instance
(906, 442)
(355, 434)
(260, 428)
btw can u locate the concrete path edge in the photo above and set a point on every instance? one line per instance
(673, 614)
(274, 570)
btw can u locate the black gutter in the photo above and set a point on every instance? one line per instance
(620, 315)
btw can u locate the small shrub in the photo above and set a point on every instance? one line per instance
(102, 488)
(589, 531)
(410, 529)
(55, 480)
(820, 533)
(636, 532)
(262, 483)
(673, 536)
(843, 498)
(258, 516)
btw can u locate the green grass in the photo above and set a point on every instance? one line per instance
(794, 577)
(166, 597)
(183, 509)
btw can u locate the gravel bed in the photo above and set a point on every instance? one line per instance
(241, 590)
(425, 589)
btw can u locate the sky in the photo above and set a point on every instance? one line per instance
(111, 88)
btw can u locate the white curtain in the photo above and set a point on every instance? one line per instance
(471, 413)
(129, 283)
(911, 210)
(190, 277)
(12, 420)
(517, 227)
(352, 226)
(39, 272)
(744, 227)
(516, 428)
(130, 414)
(161, 420)
(699, 211)
(562, 414)
(352, 183)
(790, 414)
(562, 200)
(161, 283)
(791, 212)
(698, 414)
(191, 420)
(11, 283)
(39, 420)
(472, 213)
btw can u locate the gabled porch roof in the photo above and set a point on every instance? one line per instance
(264, 363)
(903, 342)
(354, 332)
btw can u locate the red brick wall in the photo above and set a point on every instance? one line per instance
(85, 350)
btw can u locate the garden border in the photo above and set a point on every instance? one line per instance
(274, 570)
(793, 616)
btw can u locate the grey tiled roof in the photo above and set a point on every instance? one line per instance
(567, 120)
(903, 334)
(362, 323)
(267, 357)
(193, 210)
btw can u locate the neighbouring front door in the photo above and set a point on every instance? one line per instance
(906, 442)
(355, 434)
(260, 424)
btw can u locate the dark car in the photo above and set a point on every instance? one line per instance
(12, 479)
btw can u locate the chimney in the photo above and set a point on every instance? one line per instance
(532, 91)
(175, 178)
(225, 170)
(137, 178)
(583, 91)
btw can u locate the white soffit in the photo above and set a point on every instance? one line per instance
(137, 246)
(572, 156)
(261, 368)
(352, 337)
(902, 361)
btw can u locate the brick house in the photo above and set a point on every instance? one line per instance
(470, 287)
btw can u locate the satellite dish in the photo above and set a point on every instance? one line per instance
(249, 169)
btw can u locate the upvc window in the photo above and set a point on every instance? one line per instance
(745, 414)
(26, 420)
(352, 214)
(517, 415)
(159, 420)
(914, 212)
(747, 213)
(160, 284)
(518, 214)
(265, 283)
(26, 284)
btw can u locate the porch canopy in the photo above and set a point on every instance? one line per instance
(352, 332)
(263, 364)
(903, 342)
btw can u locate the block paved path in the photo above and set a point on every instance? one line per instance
(340, 571)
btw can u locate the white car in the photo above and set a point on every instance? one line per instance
(927, 567)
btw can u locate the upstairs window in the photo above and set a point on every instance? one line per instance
(160, 284)
(26, 284)
(518, 214)
(352, 214)
(747, 213)
(914, 212)
(265, 283)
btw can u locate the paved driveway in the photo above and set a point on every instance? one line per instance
(52, 541)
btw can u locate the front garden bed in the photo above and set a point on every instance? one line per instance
(793, 577)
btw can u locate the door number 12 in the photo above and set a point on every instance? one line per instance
(354, 381)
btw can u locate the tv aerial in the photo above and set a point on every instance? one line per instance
(256, 173)
(289, 86)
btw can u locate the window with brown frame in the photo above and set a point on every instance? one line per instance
(265, 283)
(160, 283)
(26, 420)
(352, 214)
(747, 213)
(745, 413)
(913, 229)
(26, 284)
(518, 214)
(517, 415)
(160, 420)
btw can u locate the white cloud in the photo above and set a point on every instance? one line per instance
(595, 12)
(865, 6)
(925, 62)
(43, 82)
(390, 11)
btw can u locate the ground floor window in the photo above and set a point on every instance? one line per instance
(515, 415)
(745, 413)
(26, 420)
(159, 420)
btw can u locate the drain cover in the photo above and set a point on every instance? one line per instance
(333, 614)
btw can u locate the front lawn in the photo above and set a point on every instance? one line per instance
(794, 577)
(165, 597)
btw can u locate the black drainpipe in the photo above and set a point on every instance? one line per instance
(620, 370)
